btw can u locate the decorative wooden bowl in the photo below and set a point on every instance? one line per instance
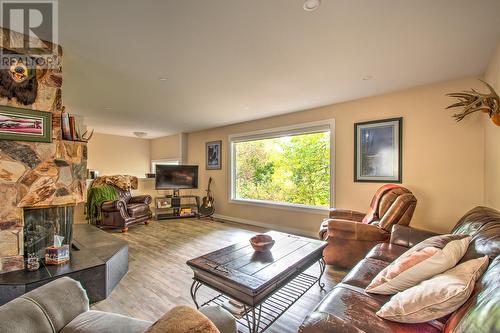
(262, 243)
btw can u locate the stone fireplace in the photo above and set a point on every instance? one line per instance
(42, 224)
(37, 174)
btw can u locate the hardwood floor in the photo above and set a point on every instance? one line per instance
(159, 279)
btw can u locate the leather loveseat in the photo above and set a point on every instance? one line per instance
(349, 309)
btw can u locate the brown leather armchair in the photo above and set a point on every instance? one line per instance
(352, 234)
(125, 211)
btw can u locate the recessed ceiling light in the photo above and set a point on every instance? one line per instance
(140, 134)
(246, 108)
(368, 77)
(311, 5)
(163, 79)
(108, 108)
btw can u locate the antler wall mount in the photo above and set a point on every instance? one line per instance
(473, 101)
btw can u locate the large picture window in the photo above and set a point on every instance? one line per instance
(288, 166)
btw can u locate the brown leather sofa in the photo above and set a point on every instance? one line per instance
(348, 308)
(352, 234)
(125, 211)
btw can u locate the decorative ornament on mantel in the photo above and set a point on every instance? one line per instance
(473, 101)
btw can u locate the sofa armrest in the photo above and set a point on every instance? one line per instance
(62, 300)
(344, 214)
(115, 206)
(142, 199)
(345, 229)
(407, 236)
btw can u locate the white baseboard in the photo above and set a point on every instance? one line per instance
(288, 230)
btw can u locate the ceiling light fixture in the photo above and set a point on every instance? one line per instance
(163, 79)
(311, 5)
(108, 108)
(140, 134)
(368, 77)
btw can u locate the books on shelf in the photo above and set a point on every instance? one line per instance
(66, 130)
(234, 307)
(186, 212)
(72, 127)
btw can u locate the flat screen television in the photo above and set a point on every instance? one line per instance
(174, 177)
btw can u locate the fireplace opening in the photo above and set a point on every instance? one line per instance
(42, 224)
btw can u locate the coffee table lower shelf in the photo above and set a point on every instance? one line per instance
(259, 318)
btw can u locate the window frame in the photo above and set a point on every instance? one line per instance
(304, 128)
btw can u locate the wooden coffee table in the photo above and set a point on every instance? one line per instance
(266, 283)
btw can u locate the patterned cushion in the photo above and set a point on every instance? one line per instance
(183, 319)
(426, 259)
(436, 297)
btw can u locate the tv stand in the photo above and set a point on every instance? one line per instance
(176, 206)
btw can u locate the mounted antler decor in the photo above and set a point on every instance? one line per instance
(473, 101)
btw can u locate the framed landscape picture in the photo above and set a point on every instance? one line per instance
(25, 125)
(214, 150)
(378, 151)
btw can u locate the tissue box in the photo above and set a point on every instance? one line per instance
(56, 255)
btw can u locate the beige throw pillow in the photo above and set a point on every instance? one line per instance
(436, 297)
(426, 259)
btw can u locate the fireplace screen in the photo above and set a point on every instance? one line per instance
(41, 224)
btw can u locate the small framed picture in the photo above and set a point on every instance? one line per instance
(214, 150)
(25, 125)
(378, 149)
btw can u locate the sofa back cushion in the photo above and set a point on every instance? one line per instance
(481, 312)
(392, 204)
(483, 225)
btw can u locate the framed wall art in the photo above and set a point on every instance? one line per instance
(378, 149)
(214, 151)
(25, 125)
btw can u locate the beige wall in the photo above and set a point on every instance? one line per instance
(443, 161)
(168, 147)
(112, 155)
(492, 142)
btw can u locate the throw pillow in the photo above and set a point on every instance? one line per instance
(426, 259)
(183, 319)
(436, 297)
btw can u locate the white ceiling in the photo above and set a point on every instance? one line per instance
(229, 61)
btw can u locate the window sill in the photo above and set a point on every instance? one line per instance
(282, 205)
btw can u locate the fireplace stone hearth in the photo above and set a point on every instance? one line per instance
(98, 261)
